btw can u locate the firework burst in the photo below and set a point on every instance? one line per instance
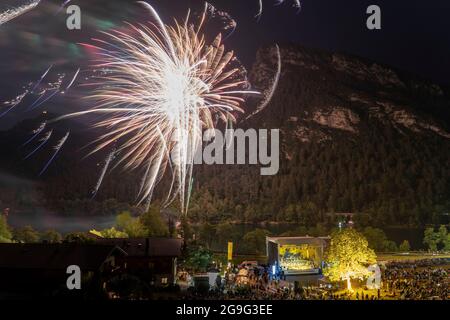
(165, 86)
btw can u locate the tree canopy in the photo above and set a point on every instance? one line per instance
(348, 256)
(5, 233)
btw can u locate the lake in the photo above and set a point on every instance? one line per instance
(64, 224)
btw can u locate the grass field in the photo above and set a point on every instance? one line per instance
(410, 256)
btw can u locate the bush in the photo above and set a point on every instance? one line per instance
(51, 236)
(5, 233)
(255, 241)
(404, 246)
(26, 234)
(199, 259)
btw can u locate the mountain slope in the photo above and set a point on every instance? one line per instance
(356, 136)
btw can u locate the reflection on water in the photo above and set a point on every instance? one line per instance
(64, 224)
(413, 235)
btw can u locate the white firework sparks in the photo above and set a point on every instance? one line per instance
(228, 23)
(52, 88)
(165, 86)
(57, 148)
(105, 168)
(259, 14)
(13, 13)
(13, 103)
(296, 4)
(42, 141)
(73, 79)
(35, 133)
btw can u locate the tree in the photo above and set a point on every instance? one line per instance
(431, 238)
(443, 236)
(153, 223)
(376, 238)
(389, 246)
(78, 237)
(404, 246)
(226, 232)
(5, 233)
(348, 256)
(207, 234)
(123, 219)
(199, 259)
(26, 234)
(447, 243)
(51, 236)
(186, 229)
(130, 225)
(255, 241)
(320, 230)
(300, 231)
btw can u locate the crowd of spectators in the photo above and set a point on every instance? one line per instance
(410, 280)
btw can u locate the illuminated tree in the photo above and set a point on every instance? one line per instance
(132, 226)
(111, 233)
(5, 233)
(153, 224)
(348, 257)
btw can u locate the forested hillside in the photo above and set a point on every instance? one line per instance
(355, 137)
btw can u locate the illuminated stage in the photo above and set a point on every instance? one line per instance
(296, 255)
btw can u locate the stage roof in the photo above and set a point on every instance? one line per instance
(318, 241)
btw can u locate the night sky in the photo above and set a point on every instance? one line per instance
(414, 37)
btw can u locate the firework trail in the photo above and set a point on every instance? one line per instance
(42, 78)
(73, 79)
(57, 148)
(165, 86)
(228, 23)
(105, 168)
(296, 4)
(13, 13)
(191, 183)
(13, 103)
(62, 6)
(35, 133)
(43, 141)
(259, 14)
(53, 87)
(31, 89)
(36, 104)
(268, 94)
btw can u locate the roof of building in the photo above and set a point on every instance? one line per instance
(55, 256)
(153, 247)
(299, 240)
